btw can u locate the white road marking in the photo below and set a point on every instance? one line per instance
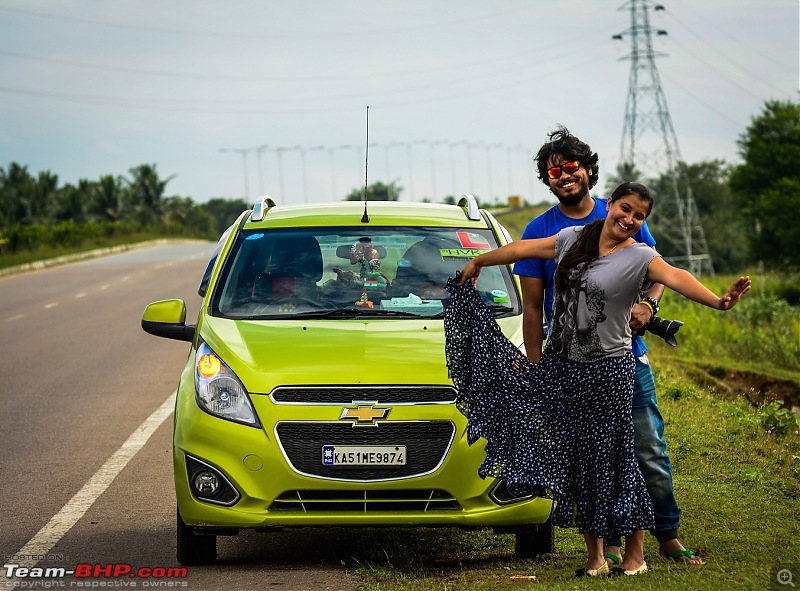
(15, 317)
(102, 287)
(50, 305)
(80, 295)
(43, 542)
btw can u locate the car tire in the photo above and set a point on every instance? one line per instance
(533, 543)
(193, 549)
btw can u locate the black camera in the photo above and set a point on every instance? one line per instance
(663, 328)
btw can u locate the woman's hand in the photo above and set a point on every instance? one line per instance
(470, 271)
(640, 316)
(739, 287)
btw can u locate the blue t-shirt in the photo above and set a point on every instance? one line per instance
(551, 222)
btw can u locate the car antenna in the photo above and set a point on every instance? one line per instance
(365, 217)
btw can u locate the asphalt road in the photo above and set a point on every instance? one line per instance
(85, 435)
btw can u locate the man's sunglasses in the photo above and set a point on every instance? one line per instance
(568, 167)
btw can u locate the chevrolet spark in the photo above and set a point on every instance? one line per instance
(316, 391)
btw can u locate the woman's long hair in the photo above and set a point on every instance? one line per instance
(587, 247)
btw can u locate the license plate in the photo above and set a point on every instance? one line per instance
(363, 455)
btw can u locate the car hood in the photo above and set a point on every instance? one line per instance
(268, 354)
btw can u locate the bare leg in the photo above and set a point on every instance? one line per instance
(594, 548)
(634, 551)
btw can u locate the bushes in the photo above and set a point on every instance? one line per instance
(68, 234)
(762, 329)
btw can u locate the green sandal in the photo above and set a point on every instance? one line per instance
(679, 555)
(612, 557)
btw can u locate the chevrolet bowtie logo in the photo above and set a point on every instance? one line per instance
(365, 413)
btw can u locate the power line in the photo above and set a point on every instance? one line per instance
(578, 43)
(197, 105)
(382, 32)
(751, 47)
(709, 106)
(719, 71)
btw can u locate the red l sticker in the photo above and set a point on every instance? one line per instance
(466, 240)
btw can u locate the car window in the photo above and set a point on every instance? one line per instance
(340, 272)
(201, 290)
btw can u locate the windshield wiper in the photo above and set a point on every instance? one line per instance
(499, 308)
(337, 313)
(352, 313)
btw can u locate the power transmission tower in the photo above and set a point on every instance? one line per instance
(646, 112)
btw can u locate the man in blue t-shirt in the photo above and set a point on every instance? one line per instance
(569, 168)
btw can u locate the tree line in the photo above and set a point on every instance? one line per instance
(36, 213)
(746, 210)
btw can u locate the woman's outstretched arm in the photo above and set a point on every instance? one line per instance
(688, 286)
(537, 248)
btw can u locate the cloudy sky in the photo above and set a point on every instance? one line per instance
(243, 97)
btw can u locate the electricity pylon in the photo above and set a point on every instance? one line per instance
(646, 112)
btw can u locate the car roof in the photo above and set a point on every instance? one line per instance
(380, 213)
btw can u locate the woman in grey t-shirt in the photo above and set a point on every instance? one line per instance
(564, 424)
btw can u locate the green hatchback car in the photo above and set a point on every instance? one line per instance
(316, 391)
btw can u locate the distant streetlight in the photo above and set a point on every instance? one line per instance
(489, 167)
(243, 152)
(433, 166)
(469, 165)
(303, 166)
(410, 170)
(258, 150)
(388, 172)
(333, 174)
(279, 156)
(333, 167)
(303, 161)
(453, 165)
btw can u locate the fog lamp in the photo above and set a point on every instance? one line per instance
(206, 483)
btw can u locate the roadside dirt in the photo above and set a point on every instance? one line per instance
(757, 388)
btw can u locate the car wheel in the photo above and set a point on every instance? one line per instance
(193, 549)
(533, 543)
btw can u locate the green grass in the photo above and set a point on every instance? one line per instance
(48, 254)
(738, 486)
(515, 219)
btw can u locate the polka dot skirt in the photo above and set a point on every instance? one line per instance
(557, 426)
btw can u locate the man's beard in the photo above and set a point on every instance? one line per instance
(575, 198)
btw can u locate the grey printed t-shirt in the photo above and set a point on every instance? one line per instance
(591, 320)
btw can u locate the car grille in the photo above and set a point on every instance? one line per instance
(365, 501)
(426, 444)
(348, 395)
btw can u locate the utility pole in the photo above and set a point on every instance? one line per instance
(243, 152)
(675, 213)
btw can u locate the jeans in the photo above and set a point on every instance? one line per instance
(650, 448)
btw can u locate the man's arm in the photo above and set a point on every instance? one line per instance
(532, 316)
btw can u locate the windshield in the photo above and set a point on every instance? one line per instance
(347, 273)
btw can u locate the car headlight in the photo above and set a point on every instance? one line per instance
(219, 391)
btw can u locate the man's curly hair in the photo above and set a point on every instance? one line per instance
(571, 148)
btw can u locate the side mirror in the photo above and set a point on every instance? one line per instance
(167, 319)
